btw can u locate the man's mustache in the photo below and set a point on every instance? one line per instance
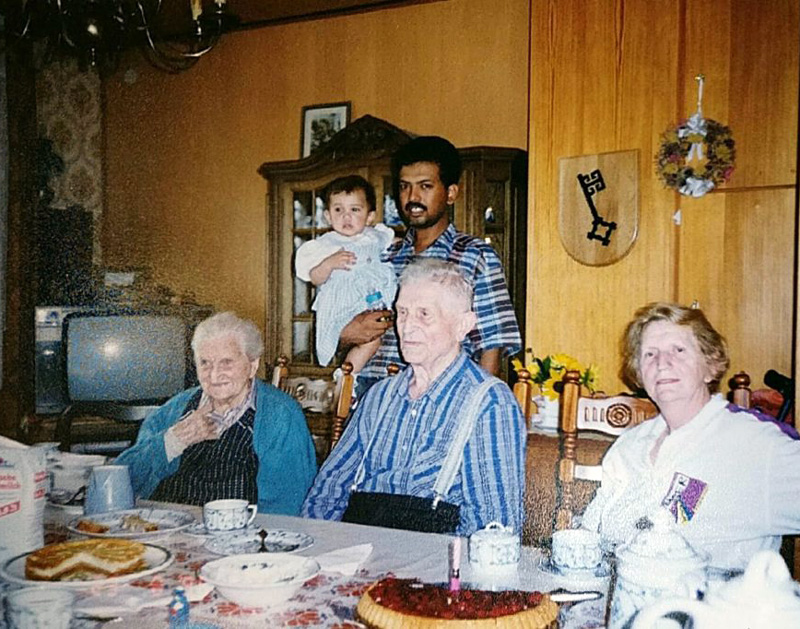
(411, 205)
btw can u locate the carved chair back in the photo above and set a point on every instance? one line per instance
(325, 402)
(608, 415)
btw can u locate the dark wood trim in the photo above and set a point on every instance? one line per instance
(337, 9)
(16, 394)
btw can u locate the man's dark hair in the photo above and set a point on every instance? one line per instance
(349, 184)
(433, 149)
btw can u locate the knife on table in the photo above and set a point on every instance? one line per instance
(567, 596)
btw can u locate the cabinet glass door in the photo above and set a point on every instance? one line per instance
(308, 222)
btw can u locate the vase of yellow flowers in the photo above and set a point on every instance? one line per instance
(546, 373)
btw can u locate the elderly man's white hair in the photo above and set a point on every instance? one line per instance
(225, 323)
(447, 274)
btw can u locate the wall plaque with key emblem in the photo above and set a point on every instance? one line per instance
(598, 214)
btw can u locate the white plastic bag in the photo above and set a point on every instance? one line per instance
(23, 489)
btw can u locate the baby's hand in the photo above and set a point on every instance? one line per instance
(341, 260)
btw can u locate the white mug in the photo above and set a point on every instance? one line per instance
(39, 608)
(228, 515)
(109, 489)
(576, 549)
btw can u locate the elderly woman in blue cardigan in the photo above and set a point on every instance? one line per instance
(234, 436)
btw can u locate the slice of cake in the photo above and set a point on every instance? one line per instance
(85, 560)
(137, 524)
(90, 526)
(408, 604)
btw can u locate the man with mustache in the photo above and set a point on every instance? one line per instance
(426, 172)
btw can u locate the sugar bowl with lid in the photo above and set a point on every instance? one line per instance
(656, 562)
(494, 549)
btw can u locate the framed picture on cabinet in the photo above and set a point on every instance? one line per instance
(320, 124)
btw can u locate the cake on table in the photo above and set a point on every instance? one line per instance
(85, 560)
(408, 604)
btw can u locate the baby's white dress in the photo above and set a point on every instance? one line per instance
(344, 295)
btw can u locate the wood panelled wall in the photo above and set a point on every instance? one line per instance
(612, 75)
(183, 195)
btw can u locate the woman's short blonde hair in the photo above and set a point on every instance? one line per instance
(225, 323)
(712, 344)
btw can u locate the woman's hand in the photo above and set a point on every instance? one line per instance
(342, 260)
(197, 427)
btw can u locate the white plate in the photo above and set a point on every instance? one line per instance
(600, 573)
(168, 522)
(157, 558)
(198, 529)
(245, 542)
(68, 511)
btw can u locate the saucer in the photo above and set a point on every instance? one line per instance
(198, 529)
(248, 541)
(601, 572)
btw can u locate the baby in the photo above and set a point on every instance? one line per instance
(345, 264)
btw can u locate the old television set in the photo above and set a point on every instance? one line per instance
(123, 363)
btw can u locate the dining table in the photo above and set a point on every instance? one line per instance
(327, 600)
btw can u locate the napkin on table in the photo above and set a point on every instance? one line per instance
(128, 599)
(344, 560)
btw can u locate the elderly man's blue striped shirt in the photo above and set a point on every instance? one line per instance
(409, 440)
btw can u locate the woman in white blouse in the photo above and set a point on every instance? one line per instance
(729, 480)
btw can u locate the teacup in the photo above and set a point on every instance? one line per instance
(228, 515)
(109, 489)
(38, 608)
(576, 549)
(494, 549)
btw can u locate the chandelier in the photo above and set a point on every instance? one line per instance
(172, 38)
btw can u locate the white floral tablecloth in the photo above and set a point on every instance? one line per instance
(329, 599)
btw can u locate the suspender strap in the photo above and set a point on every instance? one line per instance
(455, 454)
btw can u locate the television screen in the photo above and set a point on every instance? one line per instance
(125, 357)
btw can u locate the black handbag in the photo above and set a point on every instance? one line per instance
(415, 513)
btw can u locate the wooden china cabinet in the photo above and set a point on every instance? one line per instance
(491, 204)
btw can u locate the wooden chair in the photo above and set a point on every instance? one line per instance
(325, 402)
(608, 415)
(741, 395)
(523, 391)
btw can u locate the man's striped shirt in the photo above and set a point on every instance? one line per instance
(405, 442)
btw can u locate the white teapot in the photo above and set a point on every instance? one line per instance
(764, 597)
(658, 562)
